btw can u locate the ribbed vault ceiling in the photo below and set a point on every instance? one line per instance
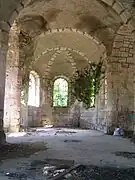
(88, 16)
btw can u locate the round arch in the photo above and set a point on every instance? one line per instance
(51, 61)
(6, 25)
(62, 77)
(62, 49)
(115, 5)
(60, 93)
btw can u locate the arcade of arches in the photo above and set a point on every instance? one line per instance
(42, 44)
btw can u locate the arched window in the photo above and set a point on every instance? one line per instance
(60, 92)
(34, 89)
(103, 93)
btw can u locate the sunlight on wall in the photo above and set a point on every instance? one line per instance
(34, 89)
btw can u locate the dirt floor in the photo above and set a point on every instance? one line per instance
(50, 153)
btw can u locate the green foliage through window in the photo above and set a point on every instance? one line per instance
(60, 92)
(86, 83)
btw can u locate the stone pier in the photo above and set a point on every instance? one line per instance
(13, 83)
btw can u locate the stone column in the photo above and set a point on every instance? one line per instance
(3, 52)
(46, 109)
(24, 104)
(13, 83)
(121, 96)
(2, 91)
(120, 82)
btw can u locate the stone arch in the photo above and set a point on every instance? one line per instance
(61, 76)
(62, 49)
(5, 26)
(67, 53)
(115, 5)
(58, 50)
(69, 30)
(74, 30)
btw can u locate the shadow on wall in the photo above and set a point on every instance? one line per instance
(94, 26)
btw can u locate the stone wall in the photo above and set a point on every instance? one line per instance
(111, 109)
(61, 116)
(120, 79)
(120, 75)
(30, 116)
(92, 118)
(24, 116)
(88, 118)
(34, 116)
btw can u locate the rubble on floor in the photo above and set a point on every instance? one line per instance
(10, 151)
(46, 154)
